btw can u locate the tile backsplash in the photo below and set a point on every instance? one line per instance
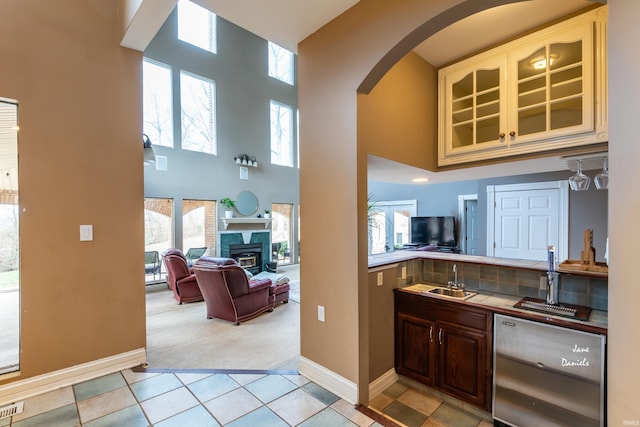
(574, 289)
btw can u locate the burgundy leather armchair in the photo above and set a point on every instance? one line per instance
(181, 279)
(227, 291)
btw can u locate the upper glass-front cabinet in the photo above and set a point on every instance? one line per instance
(476, 105)
(545, 91)
(553, 92)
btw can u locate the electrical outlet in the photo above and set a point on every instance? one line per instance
(404, 272)
(380, 278)
(321, 313)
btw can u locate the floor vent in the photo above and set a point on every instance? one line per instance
(10, 410)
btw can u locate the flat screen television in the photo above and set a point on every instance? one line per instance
(433, 230)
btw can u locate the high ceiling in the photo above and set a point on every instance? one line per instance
(297, 19)
(288, 22)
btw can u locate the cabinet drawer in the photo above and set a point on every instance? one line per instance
(431, 309)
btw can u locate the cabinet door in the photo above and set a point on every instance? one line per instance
(462, 357)
(551, 86)
(415, 348)
(473, 102)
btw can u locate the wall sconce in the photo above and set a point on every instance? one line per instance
(246, 160)
(149, 156)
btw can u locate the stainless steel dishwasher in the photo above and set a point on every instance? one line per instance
(545, 375)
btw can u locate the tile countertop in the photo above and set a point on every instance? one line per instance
(501, 303)
(406, 255)
(504, 304)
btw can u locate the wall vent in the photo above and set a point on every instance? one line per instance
(10, 410)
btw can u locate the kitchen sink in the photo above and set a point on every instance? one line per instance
(452, 293)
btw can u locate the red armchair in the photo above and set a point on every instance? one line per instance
(181, 279)
(228, 293)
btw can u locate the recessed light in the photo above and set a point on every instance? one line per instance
(540, 62)
(420, 179)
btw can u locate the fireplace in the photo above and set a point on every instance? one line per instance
(249, 256)
(244, 246)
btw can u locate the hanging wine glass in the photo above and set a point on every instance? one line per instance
(602, 179)
(579, 181)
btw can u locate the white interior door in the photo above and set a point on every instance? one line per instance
(471, 227)
(468, 215)
(527, 219)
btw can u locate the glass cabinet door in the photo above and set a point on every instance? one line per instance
(476, 106)
(552, 92)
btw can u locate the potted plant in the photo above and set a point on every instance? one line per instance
(267, 213)
(229, 205)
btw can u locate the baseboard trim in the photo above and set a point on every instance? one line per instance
(333, 382)
(50, 381)
(381, 383)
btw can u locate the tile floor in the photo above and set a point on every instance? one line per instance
(414, 407)
(227, 398)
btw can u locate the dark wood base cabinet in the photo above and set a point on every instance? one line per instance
(445, 345)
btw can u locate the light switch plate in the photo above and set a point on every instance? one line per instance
(380, 278)
(404, 272)
(321, 313)
(86, 233)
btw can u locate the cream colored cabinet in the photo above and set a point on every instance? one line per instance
(545, 91)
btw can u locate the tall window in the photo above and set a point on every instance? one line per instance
(158, 122)
(280, 63)
(198, 224)
(281, 231)
(197, 98)
(197, 26)
(281, 125)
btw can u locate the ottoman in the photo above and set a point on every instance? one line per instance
(279, 291)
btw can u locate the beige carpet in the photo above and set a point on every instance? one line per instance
(181, 336)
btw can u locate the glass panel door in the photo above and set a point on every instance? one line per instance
(281, 230)
(475, 108)
(554, 86)
(9, 239)
(158, 235)
(389, 225)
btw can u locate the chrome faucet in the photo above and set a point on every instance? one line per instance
(455, 284)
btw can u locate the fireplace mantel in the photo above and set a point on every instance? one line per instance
(262, 221)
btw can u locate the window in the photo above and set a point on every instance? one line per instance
(281, 230)
(198, 224)
(280, 63)
(197, 26)
(158, 122)
(389, 225)
(197, 98)
(281, 124)
(158, 233)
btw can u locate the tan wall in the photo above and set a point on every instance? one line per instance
(402, 109)
(80, 162)
(399, 111)
(381, 322)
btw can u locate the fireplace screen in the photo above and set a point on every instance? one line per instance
(247, 261)
(248, 256)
